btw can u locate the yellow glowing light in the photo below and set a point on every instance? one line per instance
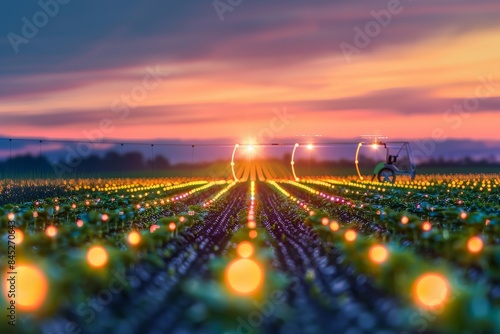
(310, 146)
(374, 146)
(97, 257)
(378, 254)
(51, 231)
(244, 276)
(325, 221)
(245, 249)
(172, 226)
(11, 216)
(104, 217)
(253, 234)
(182, 219)
(334, 226)
(475, 245)
(350, 235)
(19, 236)
(134, 238)
(431, 290)
(463, 215)
(31, 287)
(252, 224)
(426, 226)
(405, 220)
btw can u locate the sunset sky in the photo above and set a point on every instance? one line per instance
(228, 78)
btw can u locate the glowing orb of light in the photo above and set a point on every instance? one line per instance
(463, 215)
(475, 245)
(426, 226)
(244, 276)
(182, 219)
(350, 235)
(405, 220)
(79, 223)
(334, 226)
(253, 234)
(104, 217)
(51, 231)
(378, 254)
(134, 238)
(431, 290)
(172, 226)
(310, 146)
(31, 287)
(35, 214)
(252, 224)
(245, 249)
(11, 216)
(153, 228)
(19, 236)
(325, 221)
(97, 257)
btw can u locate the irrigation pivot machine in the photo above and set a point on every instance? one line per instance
(398, 159)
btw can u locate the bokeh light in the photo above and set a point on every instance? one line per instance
(245, 249)
(134, 238)
(31, 287)
(334, 226)
(97, 257)
(378, 254)
(19, 236)
(244, 276)
(475, 245)
(51, 231)
(350, 235)
(431, 290)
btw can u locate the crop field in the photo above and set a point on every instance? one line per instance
(322, 255)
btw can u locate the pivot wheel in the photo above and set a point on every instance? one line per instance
(386, 175)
